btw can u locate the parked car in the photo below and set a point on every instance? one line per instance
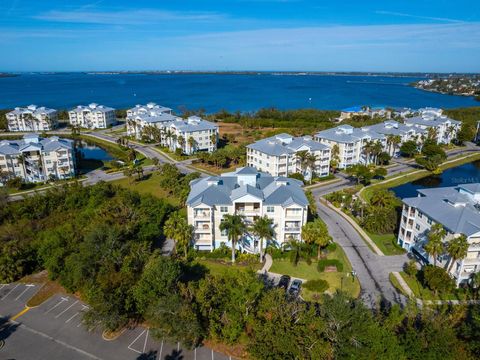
(295, 288)
(284, 281)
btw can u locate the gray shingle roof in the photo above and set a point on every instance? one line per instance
(283, 144)
(33, 109)
(92, 108)
(15, 147)
(225, 189)
(349, 134)
(447, 206)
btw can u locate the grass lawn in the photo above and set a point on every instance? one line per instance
(387, 243)
(425, 293)
(148, 186)
(396, 284)
(214, 169)
(218, 267)
(336, 280)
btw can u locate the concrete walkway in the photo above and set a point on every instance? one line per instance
(268, 264)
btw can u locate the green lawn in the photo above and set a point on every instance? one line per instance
(148, 186)
(387, 243)
(336, 280)
(218, 267)
(396, 284)
(425, 293)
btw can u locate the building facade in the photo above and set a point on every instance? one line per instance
(446, 129)
(457, 209)
(190, 135)
(93, 116)
(252, 194)
(35, 159)
(279, 156)
(32, 118)
(350, 142)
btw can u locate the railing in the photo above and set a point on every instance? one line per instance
(202, 215)
(292, 228)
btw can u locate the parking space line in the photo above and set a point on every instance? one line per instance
(72, 317)
(55, 306)
(161, 350)
(195, 354)
(178, 346)
(133, 342)
(5, 296)
(2, 286)
(212, 356)
(27, 287)
(64, 311)
(145, 343)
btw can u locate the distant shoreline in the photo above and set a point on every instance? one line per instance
(273, 73)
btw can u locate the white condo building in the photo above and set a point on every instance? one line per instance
(277, 155)
(457, 209)
(350, 142)
(93, 116)
(446, 128)
(252, 194)
(35, 159)
(32, 118)
(191, 135)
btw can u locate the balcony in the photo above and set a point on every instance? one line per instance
(247, 209)
(202, 214)
(292, 229)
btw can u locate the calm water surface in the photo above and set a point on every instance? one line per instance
(214, 92)
(463, 174)
(90, 151)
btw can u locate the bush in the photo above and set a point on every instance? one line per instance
(331, 247)
(437, 279)
(297, 176)
(277, 253)
(411, 268)
(318, 285)
(322, 264)
(247, 258)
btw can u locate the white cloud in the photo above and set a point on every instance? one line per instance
(124, 17)
(440, 19)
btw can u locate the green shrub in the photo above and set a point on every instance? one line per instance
(277, 253)
(331, 247)
(318, 285)
(297, 176)
(322, 264)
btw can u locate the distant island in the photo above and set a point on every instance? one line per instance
(2, 75)
(463, 85)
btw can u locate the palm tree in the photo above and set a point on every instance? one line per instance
(192, 143)
(181, 142)
(177, 229)
(235, 227)
(475, 283)
(214, 139)
(432, 133)
(367, 150)
(457, 248)
(434, 247)
(263, 229)
(310, 162)
(390, 143)
(334, 158)
(302, 159)
(316, 232)
(397, 140)
(298, 251)
(449, 131)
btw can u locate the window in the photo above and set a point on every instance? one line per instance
(223, 209)
(429, 221)
(417, 227)
(420, 215)
(270, 209)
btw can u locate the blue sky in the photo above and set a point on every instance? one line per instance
(402, 35)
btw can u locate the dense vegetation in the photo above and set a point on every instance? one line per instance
(102, 242)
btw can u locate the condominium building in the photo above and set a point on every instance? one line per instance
(350, 112)
(391, 128)
(35, 159)
(457, 209)
(446, 129)
(350, 142)
(93, 116)
(32, 118)
(191, 135)
(279, 156)
(252, 194)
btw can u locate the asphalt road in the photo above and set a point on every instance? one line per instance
(54, 330)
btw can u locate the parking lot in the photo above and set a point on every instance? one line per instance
(54, 330)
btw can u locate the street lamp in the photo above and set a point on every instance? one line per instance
(354, 273)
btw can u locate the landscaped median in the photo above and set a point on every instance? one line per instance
(335, 268)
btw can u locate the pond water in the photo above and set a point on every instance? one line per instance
(90, 156)
(463, 174)
(90, 151)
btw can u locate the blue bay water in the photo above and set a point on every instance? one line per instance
(213, 92)
(463, 174)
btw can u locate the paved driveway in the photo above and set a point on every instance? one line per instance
(54, 330)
